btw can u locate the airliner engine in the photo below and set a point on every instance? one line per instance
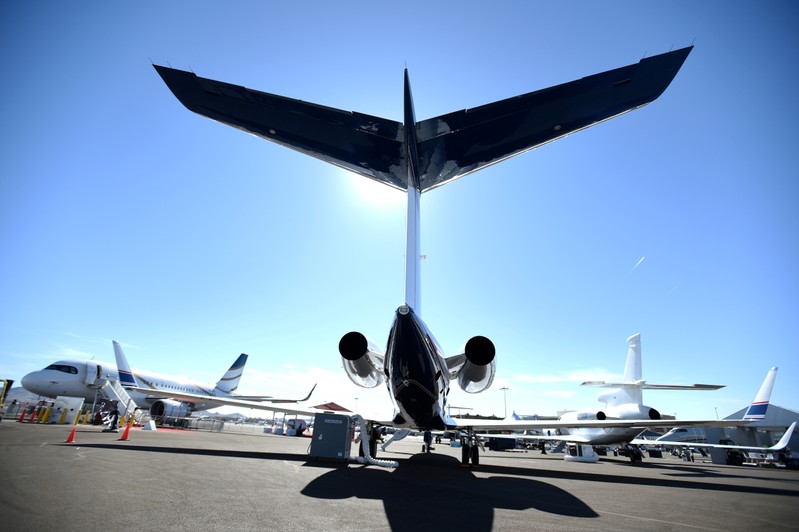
(169, 411)
(584, 415)
(625, 411)
(477, 373)
(632, 411)
(362, 360)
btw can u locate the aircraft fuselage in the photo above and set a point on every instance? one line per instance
(418, 379)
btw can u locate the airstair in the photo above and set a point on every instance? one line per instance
(111, 390)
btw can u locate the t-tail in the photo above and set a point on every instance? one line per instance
(126, 378)
(230, 380)
(629, 390)
(416, 157)
(757, 410)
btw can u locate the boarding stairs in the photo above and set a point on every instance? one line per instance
(111, 390)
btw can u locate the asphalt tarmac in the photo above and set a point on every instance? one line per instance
(187, 480)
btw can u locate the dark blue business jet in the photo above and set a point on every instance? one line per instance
(417, 156)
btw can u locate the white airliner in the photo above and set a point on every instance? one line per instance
(416, 157)
(83, 378)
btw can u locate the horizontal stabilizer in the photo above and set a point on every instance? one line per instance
(367, 145)
(449, 146)
(459, 143)
(646, 386)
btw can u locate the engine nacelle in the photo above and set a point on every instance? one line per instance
(477, 373)
(584, 415)
(362, 359)
(169, 411)
(633, 411)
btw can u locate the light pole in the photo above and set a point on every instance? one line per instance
(505, 400)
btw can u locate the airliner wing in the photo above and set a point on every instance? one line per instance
(228, 401)
(456, 144)
(364, 144)
(271, 399)
(779, 446)
(505, 424)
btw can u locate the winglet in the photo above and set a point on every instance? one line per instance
(783, 443)
(126, 378)
(757, 410)
(293, 400)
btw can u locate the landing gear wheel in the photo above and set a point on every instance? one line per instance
(470, 451)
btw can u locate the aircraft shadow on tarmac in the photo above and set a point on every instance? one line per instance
(437, 490)
(693, 477)
(465, 496)
(229, 453)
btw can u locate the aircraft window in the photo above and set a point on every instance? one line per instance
(63, 368)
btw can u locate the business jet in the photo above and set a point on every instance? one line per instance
(625, 401)
(83, 378)
(416, 157)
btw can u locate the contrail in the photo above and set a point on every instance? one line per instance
(637, 264)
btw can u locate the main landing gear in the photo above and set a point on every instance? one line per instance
(470, 449)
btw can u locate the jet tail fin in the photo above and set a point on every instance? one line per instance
(230, 380)
(757, 410)
(629, 389)
(126, 378)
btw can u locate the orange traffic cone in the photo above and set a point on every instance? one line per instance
(71, 438)
(125, 433)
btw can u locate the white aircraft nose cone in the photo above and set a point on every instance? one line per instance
(29, 382)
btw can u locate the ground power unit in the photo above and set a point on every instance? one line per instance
(332, 437)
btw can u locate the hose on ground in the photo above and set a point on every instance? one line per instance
(367, 457)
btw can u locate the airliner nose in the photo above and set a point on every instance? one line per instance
(31, 382)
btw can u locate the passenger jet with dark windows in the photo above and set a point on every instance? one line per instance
(416, 157)
(83, 378)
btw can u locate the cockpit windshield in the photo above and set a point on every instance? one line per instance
(64, 368)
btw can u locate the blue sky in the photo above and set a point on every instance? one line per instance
(124, 216)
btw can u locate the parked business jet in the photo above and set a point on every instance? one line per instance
(83, 378)
(581, 441)
(624, 400)
(417, 157)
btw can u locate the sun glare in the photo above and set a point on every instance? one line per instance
(374, 193)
